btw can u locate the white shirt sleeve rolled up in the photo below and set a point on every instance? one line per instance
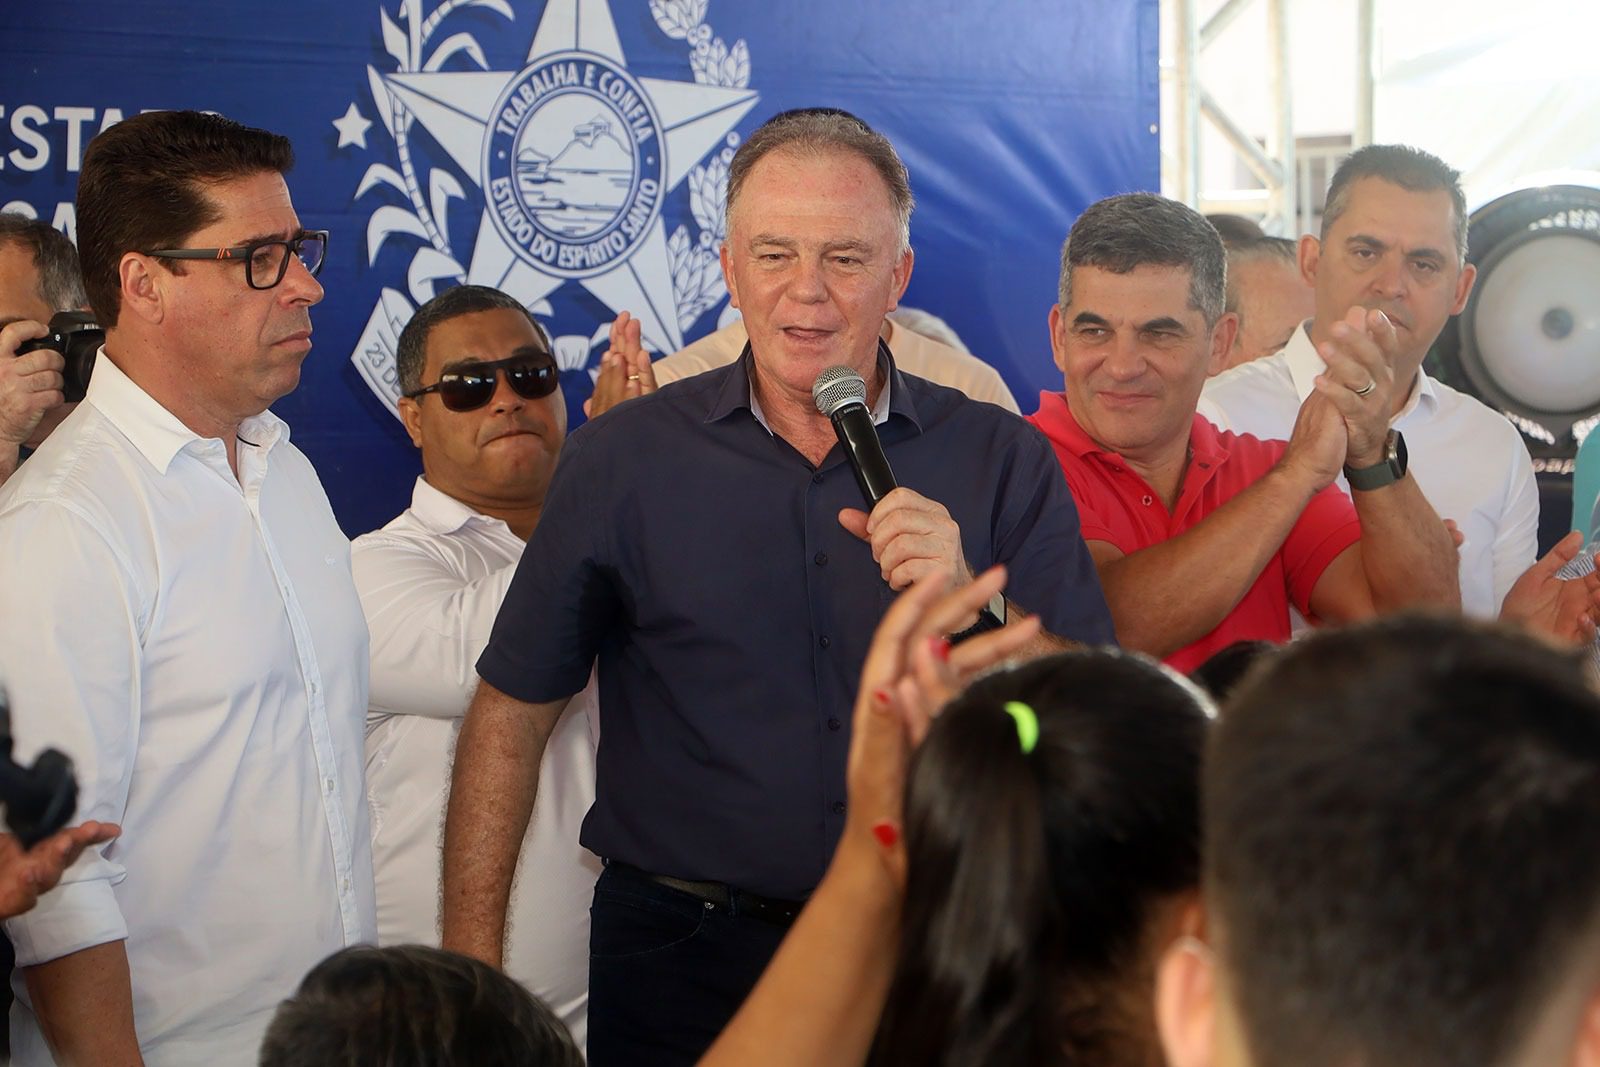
(91, 703)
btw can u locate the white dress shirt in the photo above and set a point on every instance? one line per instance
(194, 643)
(431, 582)
(1468, 460)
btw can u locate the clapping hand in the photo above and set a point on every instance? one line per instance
(910, 673)
(625, 370)
(1359, 380)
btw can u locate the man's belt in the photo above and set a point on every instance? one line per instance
(736, 901)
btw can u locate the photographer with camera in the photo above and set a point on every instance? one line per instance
(39, 800)
(38, 277)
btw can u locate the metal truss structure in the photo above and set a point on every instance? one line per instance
(1287, 201)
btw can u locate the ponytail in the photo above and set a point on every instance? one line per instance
(1048, 813)
(970, 983)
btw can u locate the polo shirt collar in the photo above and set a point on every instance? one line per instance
(735, 393)
(1304, 364)
(1055, 418)
(157, 433)
(442, 514)
(1205, 446)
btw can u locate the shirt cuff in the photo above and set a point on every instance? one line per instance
(1304, 574)
(69, 918)
(501, 669)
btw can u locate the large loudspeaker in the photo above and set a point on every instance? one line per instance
(1528, 343)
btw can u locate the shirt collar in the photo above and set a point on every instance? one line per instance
(1205, 444)
(1056, 420)
(735, 394)
(1303, 361)
(442, 513)
(156, 432)
(1304, 364)
(1424, 398)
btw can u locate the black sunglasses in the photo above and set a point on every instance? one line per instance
(473, 385)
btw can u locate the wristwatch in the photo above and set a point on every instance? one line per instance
(1386, 472)
(992, 616)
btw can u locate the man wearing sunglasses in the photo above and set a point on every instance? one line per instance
(482, 402)
(708, 546)
(177, 615)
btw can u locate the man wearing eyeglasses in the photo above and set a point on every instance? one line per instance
(482, 401)
(177, 614)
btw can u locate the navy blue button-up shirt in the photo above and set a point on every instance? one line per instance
(701, 559)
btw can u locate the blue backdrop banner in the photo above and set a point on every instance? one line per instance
(574, 153)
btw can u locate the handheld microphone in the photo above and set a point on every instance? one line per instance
(841, 394)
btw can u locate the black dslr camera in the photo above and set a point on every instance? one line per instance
(39, 800)
(77, 336)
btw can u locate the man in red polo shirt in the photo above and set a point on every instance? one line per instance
(1201, 537)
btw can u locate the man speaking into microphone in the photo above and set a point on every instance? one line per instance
(708, 544)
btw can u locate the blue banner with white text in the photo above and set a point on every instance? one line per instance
(413, 119)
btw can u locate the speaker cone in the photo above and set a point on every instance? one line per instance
(1528, 342)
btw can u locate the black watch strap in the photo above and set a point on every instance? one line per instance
(992, 616)
(1386, 472)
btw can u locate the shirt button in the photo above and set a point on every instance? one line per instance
(327, 785)
(838, 807)
(820, 559)
(345, 885)
(824, 641)
(816, 479)
(834, 724)
(1148, 500)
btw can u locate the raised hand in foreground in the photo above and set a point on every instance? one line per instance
(820, 998)
(1563, 611)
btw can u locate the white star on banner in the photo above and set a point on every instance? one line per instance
(352, 128)
(455, 108)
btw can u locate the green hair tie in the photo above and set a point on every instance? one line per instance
(1027, 724)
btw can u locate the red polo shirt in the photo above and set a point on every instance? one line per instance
(1118, 507)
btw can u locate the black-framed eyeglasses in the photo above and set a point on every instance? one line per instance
(265, 262)
(471, 386)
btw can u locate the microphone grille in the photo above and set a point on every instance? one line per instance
(837, 386)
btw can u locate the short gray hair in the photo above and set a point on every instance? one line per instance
(54, 257)
(1261, 248)
(1235, 230)
(817, 131)
(1122, 233)
(1411, 169)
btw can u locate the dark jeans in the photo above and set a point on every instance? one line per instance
(666, 971)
